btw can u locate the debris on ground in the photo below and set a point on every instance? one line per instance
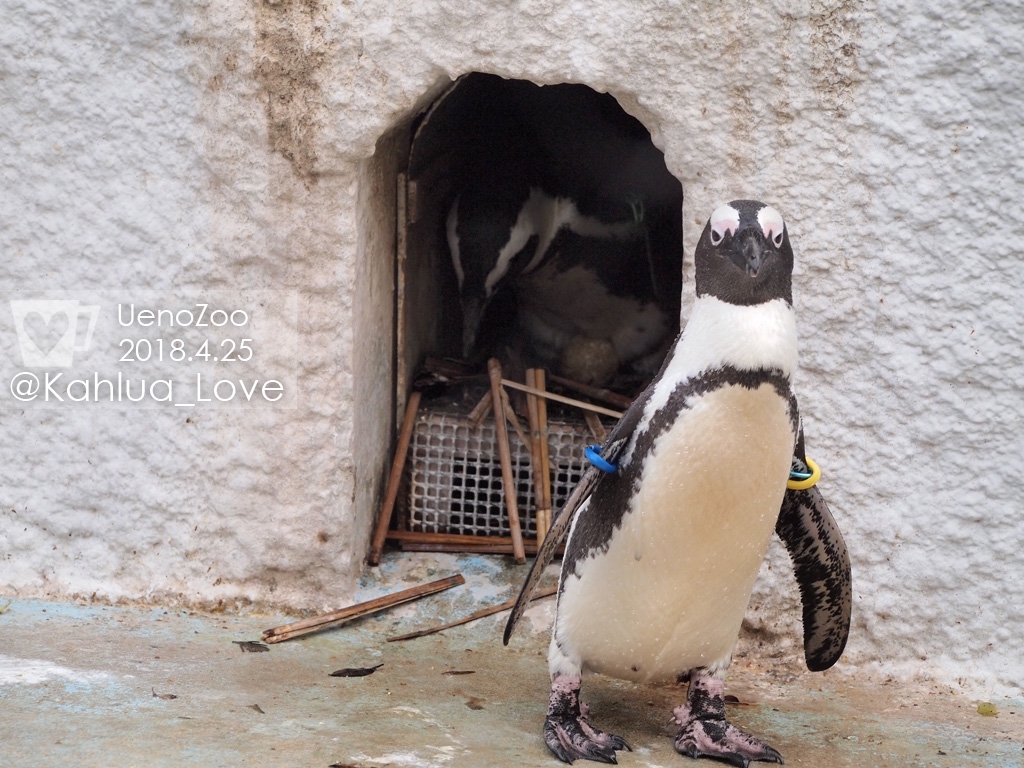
(489, 611)
(356, 671)
(334, 618)
(251, 646)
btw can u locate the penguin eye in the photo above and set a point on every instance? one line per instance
(772, 225)
(725, 219)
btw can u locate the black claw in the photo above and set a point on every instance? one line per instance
(756, 750)
(570, 738)
(705, 732)
(551, 739)
(619, 743)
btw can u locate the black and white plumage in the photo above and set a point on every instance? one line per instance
(505, 230)
(565, 233)
(662, 554)
(570, 276)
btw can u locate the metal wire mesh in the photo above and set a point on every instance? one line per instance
(455, 475)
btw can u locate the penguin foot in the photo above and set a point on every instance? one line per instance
(721, 740)
(704, 731)
(568, 732)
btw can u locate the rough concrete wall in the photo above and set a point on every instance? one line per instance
(171, 151)
(886, 135)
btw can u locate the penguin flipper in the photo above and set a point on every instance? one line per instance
(555, 537)
(822, 566)
(562, 521)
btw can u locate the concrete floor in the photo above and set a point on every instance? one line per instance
(93, 686)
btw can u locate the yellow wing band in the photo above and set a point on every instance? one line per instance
(803, 485)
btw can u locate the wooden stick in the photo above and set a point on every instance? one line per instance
(485, 548)
(417, 541)
(598, 393)
(561, 399)
(480, 410)
(511, 418)
(535, 452)
(334, 618)
(544, 511)
(596, 427)
(391, 495)
(447, 538)
(483, 612)
(504, 455)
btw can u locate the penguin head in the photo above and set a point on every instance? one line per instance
(744, 255)
(476, 237)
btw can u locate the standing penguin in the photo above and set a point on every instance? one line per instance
(668, 530)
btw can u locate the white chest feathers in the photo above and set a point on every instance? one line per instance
(670, 592)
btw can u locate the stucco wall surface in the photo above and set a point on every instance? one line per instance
(144, 163)
(187, 146)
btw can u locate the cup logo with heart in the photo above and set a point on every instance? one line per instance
(48, 330)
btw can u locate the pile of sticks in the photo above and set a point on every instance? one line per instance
(537, 397)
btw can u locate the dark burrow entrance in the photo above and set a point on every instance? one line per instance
(540, 227)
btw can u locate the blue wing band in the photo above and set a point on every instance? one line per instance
(593, 454)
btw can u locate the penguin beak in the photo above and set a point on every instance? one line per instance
(472, 313)
(749, 253)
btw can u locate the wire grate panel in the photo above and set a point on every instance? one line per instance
(455, 475)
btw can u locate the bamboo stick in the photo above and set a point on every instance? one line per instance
(480, 410)
(529, 547)
(505, 457)
(391, 495)
(598, 393)
(334, 618)
(511, 418)
(596, 427)
(562, 399)
(418, 541)
(482, 613)
(544, 510)
(535, 452)
(447, 538)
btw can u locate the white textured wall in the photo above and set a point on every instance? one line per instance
(190, 146)
(147, 153)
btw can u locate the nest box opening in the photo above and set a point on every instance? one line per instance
(540, 226)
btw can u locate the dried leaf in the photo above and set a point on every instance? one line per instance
(460, 672)
(355, 671)
(163, 695)
(9, 602)
(257, 708)
(251, 646)
(475, 703)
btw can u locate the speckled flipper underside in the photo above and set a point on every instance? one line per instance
(552, 541)
(562, 522)
(822, 567)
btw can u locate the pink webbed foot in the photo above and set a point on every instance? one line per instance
(704, 731)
